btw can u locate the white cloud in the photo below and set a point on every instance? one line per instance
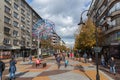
(64, 13)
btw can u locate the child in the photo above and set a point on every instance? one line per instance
(66, 63)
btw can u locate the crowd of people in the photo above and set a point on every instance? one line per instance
(60, 59)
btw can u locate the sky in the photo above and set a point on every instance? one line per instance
(64, 13)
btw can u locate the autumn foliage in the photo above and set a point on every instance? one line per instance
(86, 36)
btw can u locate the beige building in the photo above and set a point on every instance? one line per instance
(16, 22)
(55, 39)
(100, 10)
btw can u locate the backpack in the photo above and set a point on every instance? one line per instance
(2, 66)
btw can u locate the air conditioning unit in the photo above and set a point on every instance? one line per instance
(18, 25)
(10, 2)
(18, 8)
(17, 43)
(9, 42)
(10, 11)
(18, 17)
(9, 22)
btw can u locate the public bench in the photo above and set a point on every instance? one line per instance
(42, 64)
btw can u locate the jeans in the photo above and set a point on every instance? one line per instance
(58, 63)
(12, 75)
(0, 75)
(103, 63)
(112, 69)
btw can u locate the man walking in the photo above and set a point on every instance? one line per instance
(112, 65)
(12, 69)
(2, 68)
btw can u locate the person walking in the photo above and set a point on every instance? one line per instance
(30, 59)
(66, 63)
(2, 68)
(12, 69)
(85, 57)
(102, 61)
(112, 65)
(58, 59)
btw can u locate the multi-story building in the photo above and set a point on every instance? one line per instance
(100, 10)
(55, 39)
(16, 21)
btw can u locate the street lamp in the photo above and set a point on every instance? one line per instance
(39, 47)
(97, 49)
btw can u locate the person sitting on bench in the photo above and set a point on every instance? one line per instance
(38, 62)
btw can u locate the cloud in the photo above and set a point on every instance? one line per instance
(64, 13)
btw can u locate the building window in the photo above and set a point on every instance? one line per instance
(16, 6)
(22, 11)
(16, 15)
(15, 33)
(23, 4)
(15, 42)
(7, 10)
(28, 43)
(8, 1)
(22, 19)
(6, 29)
(7, 20)
(115, 8)
(6, 41)
(22, 43)
(16, 0)
(118, 35)
(15, 24)
(22, 27)
(118, 21)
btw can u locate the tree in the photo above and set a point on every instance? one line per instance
(86, 37)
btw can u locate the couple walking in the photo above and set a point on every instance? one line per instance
(59, 59)
(12, 69)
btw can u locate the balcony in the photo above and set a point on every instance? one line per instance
(117, 12)
(115, 28)
(108, 5)
(100, 3)
(7, 33)
(8, 1)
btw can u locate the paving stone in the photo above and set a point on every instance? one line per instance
(68, 76)
(31, 74)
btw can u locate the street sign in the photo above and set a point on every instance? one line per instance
(97, 49)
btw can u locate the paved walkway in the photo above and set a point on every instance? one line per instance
(75, 71)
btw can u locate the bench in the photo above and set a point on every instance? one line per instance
(41, 65)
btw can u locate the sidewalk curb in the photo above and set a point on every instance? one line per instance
(106, 75)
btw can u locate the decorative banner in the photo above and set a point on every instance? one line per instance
(43, 28)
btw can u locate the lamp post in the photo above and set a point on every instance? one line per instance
(39, 49)
(97, 49)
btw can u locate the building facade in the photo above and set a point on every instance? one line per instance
(100, 11)
(16, 21)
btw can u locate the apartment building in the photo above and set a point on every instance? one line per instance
(100, 11)
(16, 21)
(55, 39)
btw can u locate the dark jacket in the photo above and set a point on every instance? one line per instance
(111, 63)
(12, 66)
(2, 66)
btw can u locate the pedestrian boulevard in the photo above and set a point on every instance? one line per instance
(75, 71)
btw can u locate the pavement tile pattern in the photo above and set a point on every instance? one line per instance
(84, 71)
